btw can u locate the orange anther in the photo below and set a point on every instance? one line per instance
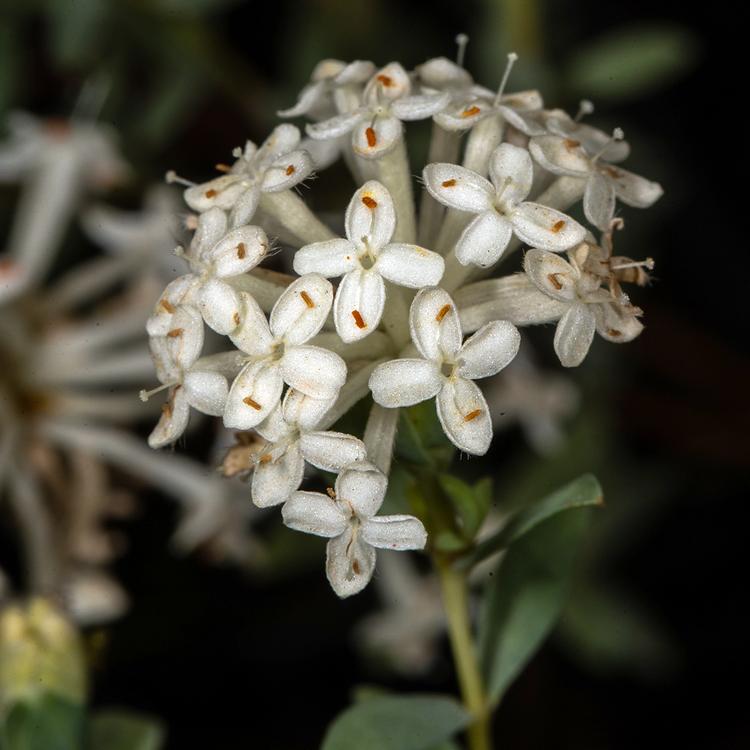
(385, 80)
(614, 332)
(570, 144)
(290, 170)
(210, 194)
(331, 493)
(358, 319)
(472, 415)
(449, 183)
(265, 458)
(241, 250)
(471, 111)
(558, 225)
(307, 298)
(444, 310)
(236, 318)
(167, 306)
(174, 333)
(252, 402)
(223, 168)
(554, 280)
(371, 137)
(369, 202)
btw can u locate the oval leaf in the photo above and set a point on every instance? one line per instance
(413, 722)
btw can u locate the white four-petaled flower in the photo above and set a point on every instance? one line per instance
(348, 519)
(448, 369)
(277, 353)
(364, 259)
(500, 207)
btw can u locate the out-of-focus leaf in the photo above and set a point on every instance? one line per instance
(76, 29)
(47, 723)
(193, 7)
(632, 61)
(11, 64)
(610, 632)
(471, 503)
(410, 722)
(525, 598)
(448, 541)
(581, 492)
(123, 730)
(420, 439)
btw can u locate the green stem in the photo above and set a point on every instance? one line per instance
(456, 603)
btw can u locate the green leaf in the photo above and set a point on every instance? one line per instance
(411, 722)
(582, 492)
(77, 29)
(525, 599)
(471, 503)
(632, 61)
(123, 730)
(47, 723)
(420, 439)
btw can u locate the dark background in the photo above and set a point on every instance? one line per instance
(231, 660)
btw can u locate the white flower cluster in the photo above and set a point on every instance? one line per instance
(303, 352)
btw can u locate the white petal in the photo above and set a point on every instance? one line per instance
(334, 127)
(464, 116)
(350, 563)
(458, 187)
(323, 153)
(206, 391)
(283, 139)
(244, 207)
(616, 324)
(465, 417)
(560, 155)
(410, 265)
(274, 427)
(220, 306)
(287, 171)
(434, 324)
(254, 395)
(484, 240)
(363, 488)
(332, 451)
(374, 138)
(178, 292)
(357, 71)
(309, 98)
(440, 72)
(314, 513)
(275, 481)
(421, 106)
(252, 336)
(173, 421)
(328, 258)
(633, 190)
(370, 214)
(599, 201)
(403, 382)
(223, 192)
(526, 123)
(489, 350)
(302, 309)
(239, 252)
(304, 411)
(314, 371)
(574, 334)
(389, 83)
(185, 339)
(546, 228)
(551, 274)
(511, 172)
(212, 226)
(359, 304)
(395, 532)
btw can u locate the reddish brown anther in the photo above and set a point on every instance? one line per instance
(210, 193)
(554, 281)
(167, 306)
(307, 299)
(472, 415)
(558, 225)
(174, 333)
(369, 202)
(444, 310)
(385, 80)
(252, 403)
(471, 111)
(371, 137)
(358, 319)
(290, 170)
(449, 183)
(241, 250)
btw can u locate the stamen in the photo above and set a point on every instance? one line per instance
(617, 135)
(241, 250)
(648, 263)
(175, 333)
(355, 566)
(461, 40)
(308, 300)
(290, 170)
(252, 402)
(265, 458)
(585, 107)
(167, 306)
(472, 415)
(371, 137)
(210, 193)
(614, 332)
(444, 310)
(558, 225)
(222, 168)
(358, 319)
(554, 280)
(471, 111)
(570, 144)
(331, 493)
(172, 177)
(512, 57)
(145, 395)
(369, 202)
(385, 80)
(236, 318)
(449, 183)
